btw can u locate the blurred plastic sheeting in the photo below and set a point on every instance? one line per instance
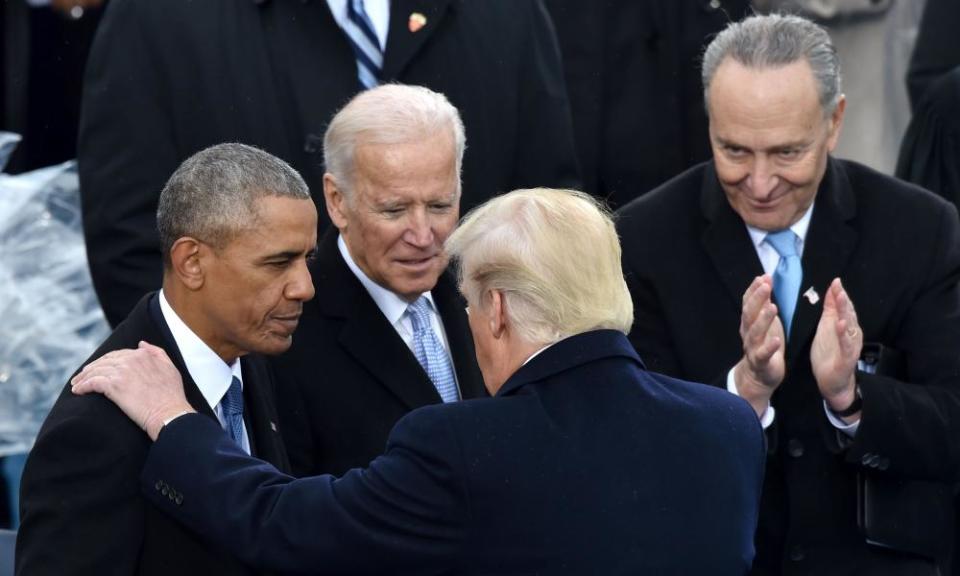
(50, 319)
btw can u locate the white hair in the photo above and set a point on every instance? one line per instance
(555, 256)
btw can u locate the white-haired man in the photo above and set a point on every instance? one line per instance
(581, 463)
(735, 269)
(387, 332)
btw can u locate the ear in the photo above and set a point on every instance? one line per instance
(496, 314)
(836, 122)
(335, 200)
(186, 260)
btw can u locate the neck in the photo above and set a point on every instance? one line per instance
(187, 307)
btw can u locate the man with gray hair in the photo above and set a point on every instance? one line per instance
(822, 292)
(582, 462)
(387, 332)
(237, 226)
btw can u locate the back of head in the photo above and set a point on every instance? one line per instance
(772, 41)
(388, 114)
(555, 256)
(213, 194)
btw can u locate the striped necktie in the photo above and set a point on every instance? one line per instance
(232, 405)
(788, 275)
(430, 353)
(365, 44)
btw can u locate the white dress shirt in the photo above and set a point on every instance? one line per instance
(394, 308)
(769, 258)
(209, 372)
(377, 10)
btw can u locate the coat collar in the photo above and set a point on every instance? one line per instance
(569, 353)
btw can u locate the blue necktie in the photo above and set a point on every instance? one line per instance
(430, 353)
(788, 275)
(365, 44)
(232, 405)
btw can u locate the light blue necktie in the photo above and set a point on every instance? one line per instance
(232, 405)
(788, 275)
(365, 44)
(429, 352)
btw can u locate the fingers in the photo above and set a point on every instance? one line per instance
(849, 334)
(754, 300)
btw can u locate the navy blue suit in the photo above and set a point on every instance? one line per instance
(583, 463)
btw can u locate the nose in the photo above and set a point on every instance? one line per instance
(419, 232)
(763, 179)
(300, 286)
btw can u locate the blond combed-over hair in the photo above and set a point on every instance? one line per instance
(555, 257)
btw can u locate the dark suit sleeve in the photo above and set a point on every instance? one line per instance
(403, 514)
(80, 501)
(545, 153)
(126, 152)
(913, 426)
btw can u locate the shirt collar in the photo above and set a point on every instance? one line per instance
(799, 228)
(392, 306)
(209, 372)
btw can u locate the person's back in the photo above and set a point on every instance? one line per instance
(587, 463)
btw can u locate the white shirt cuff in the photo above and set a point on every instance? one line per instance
(848, 429)
(766, 419)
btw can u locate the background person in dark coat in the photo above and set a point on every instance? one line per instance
(633, 75)
(861, 463)
(392, 189)
(930, 152)
(582, 463)
(937, 49)
(236, 225)
(166, 79)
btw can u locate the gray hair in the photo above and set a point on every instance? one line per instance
(555, 256)
(774, 40)
(213, 194)
(388, 114)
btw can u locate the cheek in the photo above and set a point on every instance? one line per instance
(730, 172)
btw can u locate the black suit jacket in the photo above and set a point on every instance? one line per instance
(688, 260)
(166, 79)
(81, 509)
(349, 377)
(633, 75)
(584, 463)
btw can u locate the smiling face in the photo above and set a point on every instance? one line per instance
(404, 204)
(770, 140)
(255, 285)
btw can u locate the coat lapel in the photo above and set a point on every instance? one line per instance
(726, 240)
(261, 413)
(828, 246)
(366, 334)
(404, 43)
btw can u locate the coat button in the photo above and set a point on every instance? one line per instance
(795, 448)
(797, 554)
(158, 485)
(867, 459)
(164, 491)
(883, 463)
(714, 4)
